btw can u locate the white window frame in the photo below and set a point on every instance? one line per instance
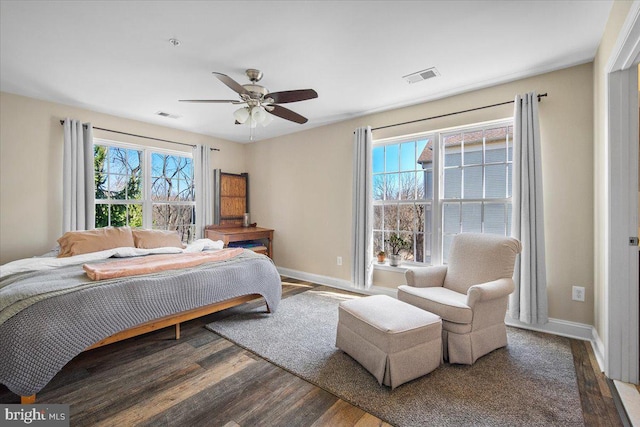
(425, 201)
(147, 203)
(441, 200)
(438, 200)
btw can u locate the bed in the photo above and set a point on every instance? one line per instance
(50, 311)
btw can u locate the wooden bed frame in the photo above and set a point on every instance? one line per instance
(163, 322)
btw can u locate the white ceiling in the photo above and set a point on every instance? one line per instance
(115, 56)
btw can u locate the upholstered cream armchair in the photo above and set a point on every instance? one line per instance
(470, 294)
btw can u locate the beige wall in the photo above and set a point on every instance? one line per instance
(618, 14)
(31, 166)
(301, 183)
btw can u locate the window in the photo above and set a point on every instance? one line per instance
(402, 197)
(118, 186)
(144, 187)
(429, 188)
(172, 194)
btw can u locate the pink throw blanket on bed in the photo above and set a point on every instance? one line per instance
(154, 263)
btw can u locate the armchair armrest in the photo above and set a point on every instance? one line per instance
(426, 277)
(489, 291)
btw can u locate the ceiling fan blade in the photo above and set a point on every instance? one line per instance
(213, 101)
(292, 96)
(232, 84)
(287, 114)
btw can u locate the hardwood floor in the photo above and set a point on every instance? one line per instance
(205, 380)
(598, 407)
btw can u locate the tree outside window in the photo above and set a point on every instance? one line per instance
(120, 181)
(429, 188)
(402, 198)
(173, 194)
(118, 186)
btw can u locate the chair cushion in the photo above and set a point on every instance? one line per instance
(389, 324)
(450, 305)
(393, 340)
(479, 258)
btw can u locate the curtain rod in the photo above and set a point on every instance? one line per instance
(452, 114)
(146, 137)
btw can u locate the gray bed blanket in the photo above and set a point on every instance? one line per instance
(43, 331)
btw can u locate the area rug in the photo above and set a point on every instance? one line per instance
(531, 382)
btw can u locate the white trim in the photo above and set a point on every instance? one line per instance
(563, 328)
(622, 259)
(316, 278)
(335, 283)
(451, 129)
(141, 147)
(598, 349)
(399, 269)
(621, 349)
(627, 47)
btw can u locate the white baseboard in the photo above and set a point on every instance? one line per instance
(598, 349)
(335, 283)
(560, 327)
(580, 331)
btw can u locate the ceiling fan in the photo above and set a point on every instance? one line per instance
(259, 101)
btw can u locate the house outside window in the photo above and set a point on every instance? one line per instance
(144, 187)
(430, 187)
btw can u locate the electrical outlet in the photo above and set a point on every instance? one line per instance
(578, 293)
(339, 261)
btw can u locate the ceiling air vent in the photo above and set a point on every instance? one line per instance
(421, 75)
(169, 115)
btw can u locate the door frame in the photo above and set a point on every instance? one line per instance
(622, 357)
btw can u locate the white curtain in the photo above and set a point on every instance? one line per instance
(362, 248)
(528, 303)
(204, 188)
(78, 193)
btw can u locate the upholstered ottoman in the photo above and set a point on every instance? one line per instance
(393, 340)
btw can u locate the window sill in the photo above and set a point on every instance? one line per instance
(386, 267)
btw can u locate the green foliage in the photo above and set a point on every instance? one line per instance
(135, 215)
(100, 181)
(398, 243)
(120, 214)
(118, 177)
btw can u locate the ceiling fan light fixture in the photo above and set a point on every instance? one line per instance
(258, 114)
(260, 104)
(268, 118)
(241, 114)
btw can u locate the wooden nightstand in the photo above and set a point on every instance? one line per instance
(234, 233)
